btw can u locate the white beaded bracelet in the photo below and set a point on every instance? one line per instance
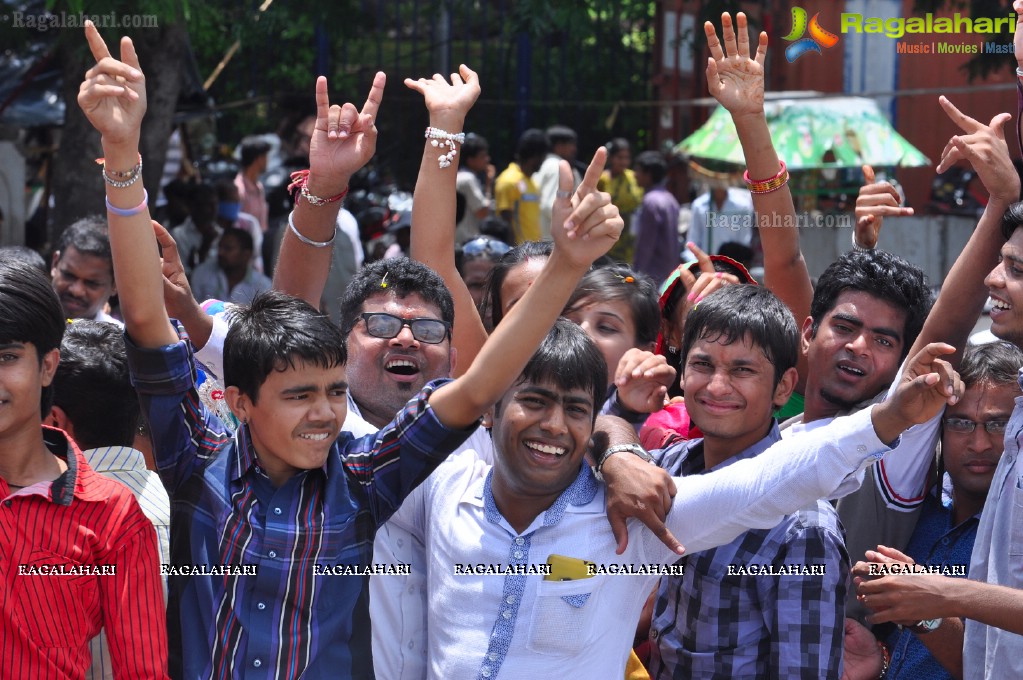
(306, 240)
(438, 137)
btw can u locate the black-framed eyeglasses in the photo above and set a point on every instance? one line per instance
(424, 329)
(485, 247)
(965, 426)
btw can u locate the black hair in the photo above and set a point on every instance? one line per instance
(1012, 219)
(89, 236)
(617, 144)
(497, 228)
(532, 144)
(26, 255)
(243, 237)
(653, 163)
(530, 250)
(732, 313)
(679, 290)
(202, 193)
(93, 387)
(619, 282)
(30, 313)
(560, 134)
(473, 146)
(226, 190)
(882, 275)
(569, 358)
(271, 334)
(398, 275)
(997, 363)
(252, 150)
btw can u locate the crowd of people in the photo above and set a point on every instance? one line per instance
(574, 454)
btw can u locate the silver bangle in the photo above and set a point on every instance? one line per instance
(1019, 71)
(305, 240)
(857, 246)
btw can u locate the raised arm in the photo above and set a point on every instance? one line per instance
(433, 207)
(963, 292)
(736, 80)
(343, 141)
(875, 201)
(113, 98)
(580, 236)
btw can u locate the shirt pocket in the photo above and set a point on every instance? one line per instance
(564, 616)
(55, 610)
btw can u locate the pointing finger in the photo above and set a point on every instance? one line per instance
(958, 117)
(376, 95)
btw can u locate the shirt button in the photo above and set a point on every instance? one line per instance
(411, 645)
(491, 657)
(485, 672)
(510, 599)
(7, 503)
(411, 590)
(272, 553)
(257, 663)
(506, 613)
(261, 606)
(861, 448)
(519, 540)
(401, 543)
(277, 511)
(518, 554)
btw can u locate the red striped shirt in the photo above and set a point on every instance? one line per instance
(78, 554)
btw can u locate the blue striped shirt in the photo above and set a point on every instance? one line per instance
(284, 620)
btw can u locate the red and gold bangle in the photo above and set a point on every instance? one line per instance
(300, 180)
(766, 186)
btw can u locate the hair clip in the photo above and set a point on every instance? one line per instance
(626, 279)
(383, 281)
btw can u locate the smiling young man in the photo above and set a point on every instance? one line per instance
(498, 610)
(82, 273)
(739, 354)
(76, 552)
(255, 514)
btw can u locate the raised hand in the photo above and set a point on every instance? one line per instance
(926, 386)
(642, 379)
(875, 201)
(113, 94)
(734, 78)
(455, 97)
(984, 147)
(708, 280)
(344, 138)
(584, 225)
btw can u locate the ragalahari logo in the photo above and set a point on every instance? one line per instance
(818, 38)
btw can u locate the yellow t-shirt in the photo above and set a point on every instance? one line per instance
(515, 192)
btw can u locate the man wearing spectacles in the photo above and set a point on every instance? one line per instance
(971, 446)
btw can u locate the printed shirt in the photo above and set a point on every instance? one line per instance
(934, 543)
(275, 614)
(990, 652)
(127, 466)
(517, 625)
(713, 623)
(517, 193)
(78, 523)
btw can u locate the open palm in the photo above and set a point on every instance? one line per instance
(734, 78)
(441, 96)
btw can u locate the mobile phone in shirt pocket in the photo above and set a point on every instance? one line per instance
(565, 614)
(55, 610)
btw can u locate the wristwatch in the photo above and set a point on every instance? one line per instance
(925, 626)
(618, 448)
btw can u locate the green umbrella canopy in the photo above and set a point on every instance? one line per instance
(804, 130)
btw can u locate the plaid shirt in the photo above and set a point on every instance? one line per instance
(709, 624)
(284, 620)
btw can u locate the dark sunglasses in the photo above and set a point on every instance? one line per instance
(485, 247)
(387, 326)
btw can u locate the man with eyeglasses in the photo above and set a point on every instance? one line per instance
(971, 446)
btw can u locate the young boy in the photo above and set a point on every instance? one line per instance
(76, 552)
(266, 510)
